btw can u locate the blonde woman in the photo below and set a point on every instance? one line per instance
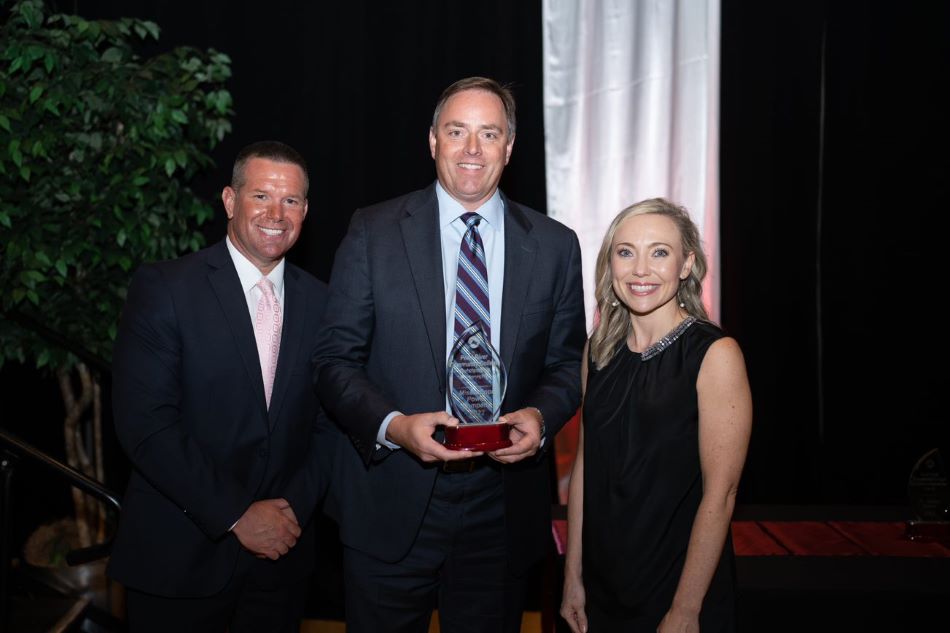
(666, 421)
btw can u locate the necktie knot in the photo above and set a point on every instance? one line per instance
(471, 220)
(267, 288)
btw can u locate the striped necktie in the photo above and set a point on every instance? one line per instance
(472, 306)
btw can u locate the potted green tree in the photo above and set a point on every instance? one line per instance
(97, 147)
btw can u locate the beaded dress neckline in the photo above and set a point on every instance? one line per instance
(664, 342)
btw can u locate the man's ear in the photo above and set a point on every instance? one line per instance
(227, 197)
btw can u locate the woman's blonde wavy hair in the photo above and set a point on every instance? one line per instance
(614, 325)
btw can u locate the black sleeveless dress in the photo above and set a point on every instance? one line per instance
(643, 485)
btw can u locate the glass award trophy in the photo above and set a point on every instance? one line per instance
(477, 380)
(929, 492)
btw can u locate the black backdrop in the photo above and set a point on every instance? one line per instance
(834, 184)
(352, 85)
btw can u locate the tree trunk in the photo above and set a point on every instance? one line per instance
(83, 442)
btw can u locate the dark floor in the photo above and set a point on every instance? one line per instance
(776, 594)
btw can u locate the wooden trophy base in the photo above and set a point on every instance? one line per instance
(477, 437)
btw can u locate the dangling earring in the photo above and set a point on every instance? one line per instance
(614, 303)
(680, 299)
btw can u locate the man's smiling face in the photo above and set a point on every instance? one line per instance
(266, 211)
(471, 145)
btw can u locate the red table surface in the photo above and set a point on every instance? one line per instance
(814, 538)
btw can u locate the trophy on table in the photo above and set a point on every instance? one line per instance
(477, 381)
(929, 492)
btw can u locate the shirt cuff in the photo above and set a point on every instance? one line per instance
(381, 434)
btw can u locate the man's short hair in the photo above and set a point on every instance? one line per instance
(268, 150)
(479, 83)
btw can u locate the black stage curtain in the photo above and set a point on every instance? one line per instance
(352, 85)
(834, 181)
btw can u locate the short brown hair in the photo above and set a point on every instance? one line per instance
(480, 83)
(268, 150)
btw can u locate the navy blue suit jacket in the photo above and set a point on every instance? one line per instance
(190, 413)
(382, 349)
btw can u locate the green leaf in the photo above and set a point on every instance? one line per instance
(5, 123)
(112, 55)
(169, 166)
(42, 358)
(43, 259)
(35, 93)
(5, 219)
(121, 237)
(25, 173)
(15, 154)
(32, 14)
(49, 62)
(180, 117)
(61, 267)
(30, 278)
(33, 297)
(152, 29)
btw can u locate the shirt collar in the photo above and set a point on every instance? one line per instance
(249, 274)
(492, 210)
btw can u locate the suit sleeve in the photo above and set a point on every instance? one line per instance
(147, 402)
(558, 394)
(344, 345)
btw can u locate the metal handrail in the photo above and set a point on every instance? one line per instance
(13, 445)
(11, 449)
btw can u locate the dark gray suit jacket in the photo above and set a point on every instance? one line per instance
(382, 349)
(190, 413)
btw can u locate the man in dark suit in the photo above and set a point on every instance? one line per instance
(215, 408)
(420, 523)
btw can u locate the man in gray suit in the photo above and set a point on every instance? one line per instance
(421, 523)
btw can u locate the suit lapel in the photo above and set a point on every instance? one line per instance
(422, 239)
(227, 286)
(290, 337)
(520, 251)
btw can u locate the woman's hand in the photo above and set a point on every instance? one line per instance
(679, 621)
(572, 605)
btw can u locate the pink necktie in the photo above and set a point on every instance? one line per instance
(267, 332)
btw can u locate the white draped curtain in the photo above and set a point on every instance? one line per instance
(631, 111)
